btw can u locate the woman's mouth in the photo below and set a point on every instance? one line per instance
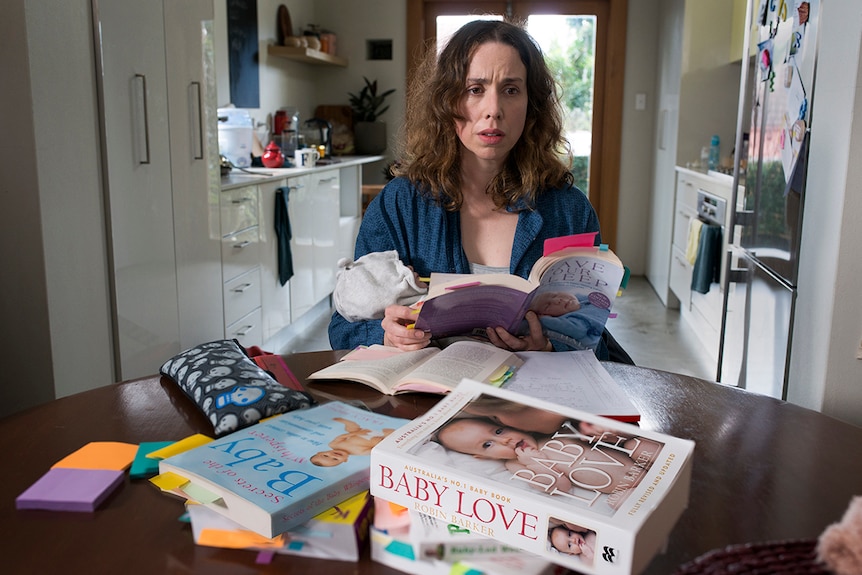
(491, 136)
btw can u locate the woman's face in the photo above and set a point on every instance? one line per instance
(494, 103)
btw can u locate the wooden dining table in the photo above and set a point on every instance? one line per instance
(763, 471)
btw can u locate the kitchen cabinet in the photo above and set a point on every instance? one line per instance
(324, 208)
(314, 218)
(240, 259)
(159, 178)
(701, 311)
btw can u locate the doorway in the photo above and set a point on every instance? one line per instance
(572, 33)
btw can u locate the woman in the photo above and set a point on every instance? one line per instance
(480, 184)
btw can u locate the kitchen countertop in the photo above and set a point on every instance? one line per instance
(238, 178)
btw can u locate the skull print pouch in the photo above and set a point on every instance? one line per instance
(231, 389)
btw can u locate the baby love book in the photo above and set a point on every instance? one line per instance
(592, 494)
(571, 290)
(281, 472)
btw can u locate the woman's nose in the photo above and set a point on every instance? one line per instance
(493, 110)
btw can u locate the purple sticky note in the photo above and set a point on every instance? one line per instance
(67, 489)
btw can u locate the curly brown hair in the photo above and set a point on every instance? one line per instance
(430, 155)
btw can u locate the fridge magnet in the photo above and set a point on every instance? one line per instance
(765, 62)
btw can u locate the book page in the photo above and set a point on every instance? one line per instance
(463, 359)
(382, 374)
(574, 379)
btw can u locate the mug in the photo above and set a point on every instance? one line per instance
(306, 157)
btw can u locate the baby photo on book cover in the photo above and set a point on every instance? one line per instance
(578, 462)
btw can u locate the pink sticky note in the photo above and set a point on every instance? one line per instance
(68, 489)
(584, 240)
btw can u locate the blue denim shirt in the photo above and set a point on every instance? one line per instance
(428, 237)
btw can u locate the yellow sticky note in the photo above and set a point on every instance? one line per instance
(101, 455)
(189, 442)
(168, 481)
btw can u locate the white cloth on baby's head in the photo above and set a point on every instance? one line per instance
(365, 287)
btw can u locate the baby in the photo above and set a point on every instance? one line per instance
(573, 540)
(601, 464)
(354, 442)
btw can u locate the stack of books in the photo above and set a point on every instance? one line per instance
(281, 473)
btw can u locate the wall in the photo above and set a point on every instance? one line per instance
(825, 373)
(668, 72)
(637, 141)
(709, 86)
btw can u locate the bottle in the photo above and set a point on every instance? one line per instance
(714, 157)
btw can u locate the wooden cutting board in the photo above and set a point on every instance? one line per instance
(341, 119)
(335, 114)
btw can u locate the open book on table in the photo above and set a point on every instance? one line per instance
(572, 291)
(429, 370)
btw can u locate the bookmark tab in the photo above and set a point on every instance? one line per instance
(143, 466)
(180, 446)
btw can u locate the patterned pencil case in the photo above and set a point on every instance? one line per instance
(231, 389)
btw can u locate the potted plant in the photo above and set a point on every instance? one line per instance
(368, 106)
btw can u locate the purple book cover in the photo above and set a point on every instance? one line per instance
(471, 309)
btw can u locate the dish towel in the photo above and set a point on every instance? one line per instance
(282, 231)
(694, 227)
(707, 266)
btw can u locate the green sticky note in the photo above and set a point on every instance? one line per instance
(144, 467)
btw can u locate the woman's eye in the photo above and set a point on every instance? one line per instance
(474, 90)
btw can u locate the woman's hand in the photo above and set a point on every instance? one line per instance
(396, 332)
(535, 340)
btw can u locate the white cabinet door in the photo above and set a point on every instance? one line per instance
(301, 210)
(325, 214)
(196, 181)
(275, 298)
(136, 164)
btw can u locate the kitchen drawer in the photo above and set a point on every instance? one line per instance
(680, 276)
(239, 209)
(241, 295)
(240, 252)
(247, 330)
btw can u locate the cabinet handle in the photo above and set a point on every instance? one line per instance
(142, 121)
(196, 121)
(244, 331)
(240, 200)
(241, 245)
(241, 288)
(324, 180)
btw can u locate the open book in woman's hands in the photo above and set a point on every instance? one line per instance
(571, 290)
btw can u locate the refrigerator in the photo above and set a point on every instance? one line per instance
(776, 95)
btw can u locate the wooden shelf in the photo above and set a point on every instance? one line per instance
(306, 55)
